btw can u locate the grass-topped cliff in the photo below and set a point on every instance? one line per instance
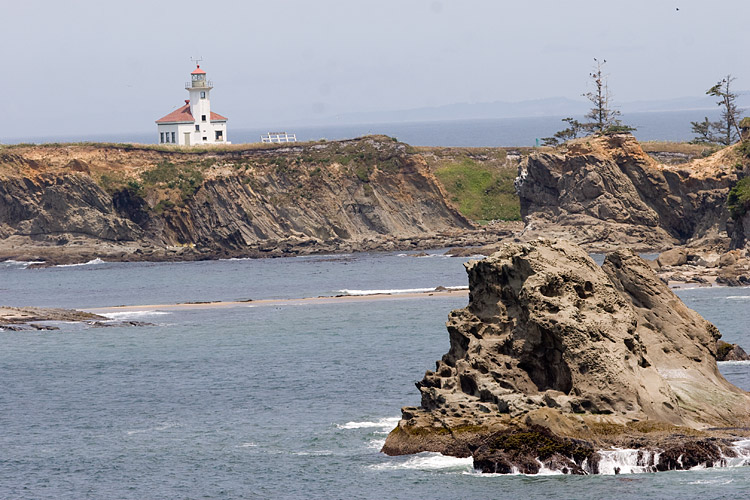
(367, 193)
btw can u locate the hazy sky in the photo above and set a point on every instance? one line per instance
(74, 67)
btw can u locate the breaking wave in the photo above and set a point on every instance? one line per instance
(386, 424)
(133, 314)
(23, 264)
(429, 461)
(89, 263)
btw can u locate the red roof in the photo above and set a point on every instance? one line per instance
(183, 115)
(180, 115)
(198, 71)
(216, 117)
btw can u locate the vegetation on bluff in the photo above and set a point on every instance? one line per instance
(478, 181)
(480, 192)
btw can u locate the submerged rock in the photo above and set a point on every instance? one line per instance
(555, 357)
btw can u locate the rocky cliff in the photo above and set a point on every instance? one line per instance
(71, 202)
(556, 358)
(606, 193)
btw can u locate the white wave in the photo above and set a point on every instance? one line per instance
(150, 429)
(429, 461)
(89, 263)
(626, 461)
(396, 291)
(382, 423)
(739, 297)
(731, 363)
(712, 481)
(22, 263)
(248, 445)
(133, 314)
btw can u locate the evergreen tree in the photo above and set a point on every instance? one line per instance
(725, 131)
(601, 116)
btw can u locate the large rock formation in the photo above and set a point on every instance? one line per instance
(120, 202)
(556, 357)
(606, 193)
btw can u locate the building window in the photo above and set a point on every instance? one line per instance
(203, 94)
(166, 137)
(173, 137)
(203, 118)
(161, 137)
(197, 128)
(205, 138)
(219, 135)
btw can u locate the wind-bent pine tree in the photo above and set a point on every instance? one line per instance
(729, 128)
(726, 130)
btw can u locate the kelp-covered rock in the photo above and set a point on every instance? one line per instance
(593, 356)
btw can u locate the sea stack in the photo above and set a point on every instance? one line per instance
(556, 358)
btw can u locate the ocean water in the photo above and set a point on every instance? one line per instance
(263, 401)
(501, 132)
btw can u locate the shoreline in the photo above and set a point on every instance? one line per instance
(84, 250)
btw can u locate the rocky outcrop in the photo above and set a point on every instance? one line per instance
(730, 352)
(555, 358)
(52, 206)
(74, 203)
(606, 193)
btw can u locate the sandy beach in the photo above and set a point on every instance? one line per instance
(338, 299)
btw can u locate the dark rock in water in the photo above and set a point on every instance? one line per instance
(109, 324)
(555, 357)
(527, 450)
(687, 454)
(43, 327)
(13, 328)
(730, 352)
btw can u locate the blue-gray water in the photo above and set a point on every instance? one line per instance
(653, 126)
(262, 401)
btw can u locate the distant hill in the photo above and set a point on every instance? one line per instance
(553, 106)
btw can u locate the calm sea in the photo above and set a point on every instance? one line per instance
(655, 126)
(260, 401)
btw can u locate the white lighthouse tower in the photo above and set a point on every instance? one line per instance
(194, 123)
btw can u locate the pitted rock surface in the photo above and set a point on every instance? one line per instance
(551, 339)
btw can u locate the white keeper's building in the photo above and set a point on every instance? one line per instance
(194, 123)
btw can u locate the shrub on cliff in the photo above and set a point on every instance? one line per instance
(738, 201)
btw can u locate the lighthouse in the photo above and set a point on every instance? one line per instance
(194, 123)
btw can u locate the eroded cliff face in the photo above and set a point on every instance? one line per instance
(128, 203)
(566, 355)
(606, 193)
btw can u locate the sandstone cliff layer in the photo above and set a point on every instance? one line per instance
(555, 358)
(606, 193)
(121, 202)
